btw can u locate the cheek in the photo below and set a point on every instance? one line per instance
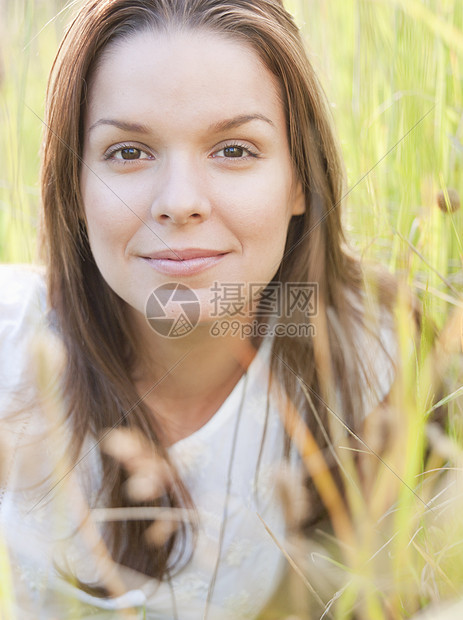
(261, 208)
(269, 185)
(111, 218)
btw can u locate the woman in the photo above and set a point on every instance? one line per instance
(190, 177)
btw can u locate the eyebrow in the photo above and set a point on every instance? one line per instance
(123, 125)
(238, 121)
(221, 126)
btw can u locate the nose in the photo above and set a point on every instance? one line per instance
(181, 195)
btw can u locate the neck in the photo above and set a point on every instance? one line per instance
(184, 381)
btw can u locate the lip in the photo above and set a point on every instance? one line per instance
(184, 262)
(184, 254)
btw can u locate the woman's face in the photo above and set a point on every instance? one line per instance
(187, 174)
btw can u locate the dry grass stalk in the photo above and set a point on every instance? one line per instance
(48, 358)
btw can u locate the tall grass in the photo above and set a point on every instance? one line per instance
(393, 73)
(27, 46)
(392, 70)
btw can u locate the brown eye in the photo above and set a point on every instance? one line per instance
(130, 153)
(233, 151)
(126, 153)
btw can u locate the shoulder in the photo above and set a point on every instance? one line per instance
(23, 308)
(375, 340)
(378, 348)
(23, 294)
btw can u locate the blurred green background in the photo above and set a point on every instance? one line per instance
(393, 74)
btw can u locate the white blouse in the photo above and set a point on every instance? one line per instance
(231, 467)
(41, 524)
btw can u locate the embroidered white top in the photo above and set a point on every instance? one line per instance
(41, 525)
(229, 466)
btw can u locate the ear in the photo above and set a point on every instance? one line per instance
(298, 199)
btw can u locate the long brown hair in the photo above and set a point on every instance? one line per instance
(101, 348)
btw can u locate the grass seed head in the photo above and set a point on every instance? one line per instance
(448, 201)
(160, 532)
(149, 474)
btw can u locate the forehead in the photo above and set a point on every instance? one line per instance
(195, 72)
